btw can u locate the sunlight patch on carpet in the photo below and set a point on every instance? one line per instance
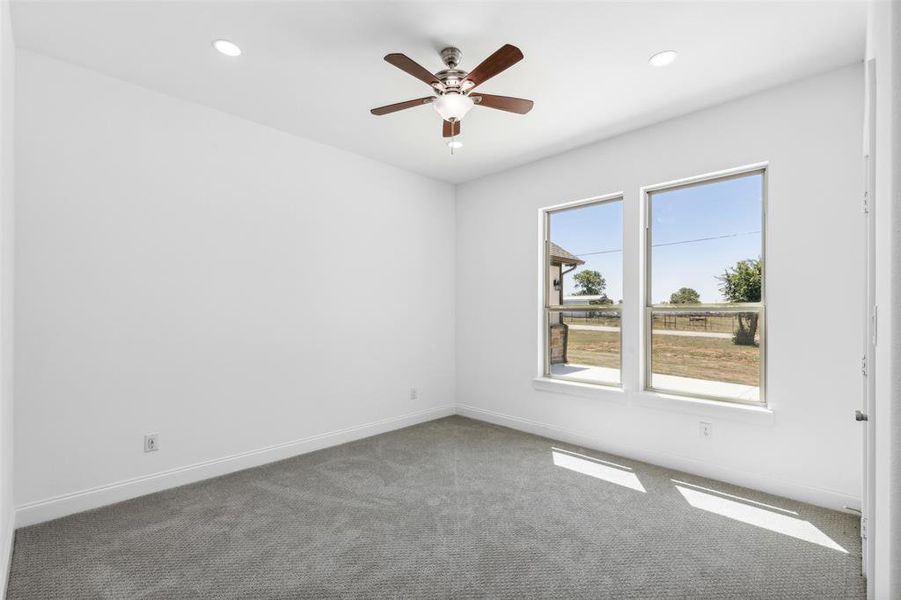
(757, 516)
(593, 467)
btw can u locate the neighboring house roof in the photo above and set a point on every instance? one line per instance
(559, 256)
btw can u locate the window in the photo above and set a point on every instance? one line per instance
(584, 291)
(705, 288)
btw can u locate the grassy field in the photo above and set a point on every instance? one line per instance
(706, 358)
(697, 357)
(595, 348)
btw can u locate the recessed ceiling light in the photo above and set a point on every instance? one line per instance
(662, 59)
(455, 144)
(227, 48)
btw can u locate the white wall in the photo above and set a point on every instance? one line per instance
(7, 80)
(811, 134)
(187, 272)
(169, 258)
(884, 45)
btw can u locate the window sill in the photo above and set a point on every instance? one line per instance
(576, 388)
(758, 415)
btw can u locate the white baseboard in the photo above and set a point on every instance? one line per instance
(7, 538)
(796, 491)
(67, 504)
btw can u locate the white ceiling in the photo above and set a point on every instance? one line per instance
(315, 68)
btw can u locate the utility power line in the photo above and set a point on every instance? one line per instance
(706, 239)
(703, 239)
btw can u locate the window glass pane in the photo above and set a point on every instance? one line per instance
(585, 267)
(698, 354)
(585, 345)
(705, 247)
(700, 231)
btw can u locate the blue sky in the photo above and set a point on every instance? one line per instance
(727, 211)
(595, 228)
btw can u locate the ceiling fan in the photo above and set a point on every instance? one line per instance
(453, 88)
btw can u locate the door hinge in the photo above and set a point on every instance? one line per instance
(863, 528)
(863, 365)
(866, 202)
(875, 323)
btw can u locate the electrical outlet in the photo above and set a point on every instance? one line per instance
(413, 393)
(151, 442)
(706, 430)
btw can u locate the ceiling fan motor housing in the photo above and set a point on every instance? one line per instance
(452, 79)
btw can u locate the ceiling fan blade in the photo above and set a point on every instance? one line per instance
(507, 103)
(407, 64)
(501, 60)
(450, 129)
(384, 110)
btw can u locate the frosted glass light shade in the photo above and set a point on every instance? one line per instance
(453, 106)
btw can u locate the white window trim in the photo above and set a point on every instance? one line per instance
(644, 261)
(595, 391)
(543, 376)
(633, 390)
(701, 407)
(697, 407)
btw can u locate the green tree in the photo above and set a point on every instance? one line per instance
(741, 283)
(685, 295)
(590, 283)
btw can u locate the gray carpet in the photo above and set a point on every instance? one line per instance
(453, 508)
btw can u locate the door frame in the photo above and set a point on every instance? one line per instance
(868, 491)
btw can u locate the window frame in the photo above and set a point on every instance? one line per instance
(758, 307)
(547, 309)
